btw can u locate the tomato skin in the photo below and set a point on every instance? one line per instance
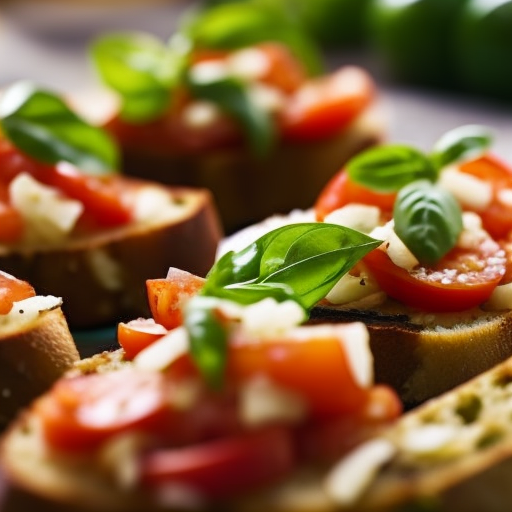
(324, 106)
(136, 335)
(81, 412)
(324, 380)
(340, 191)
(497, 217)
(221, 468)
(13, 290)
(428, 296)
(168, 296)
(12, 225)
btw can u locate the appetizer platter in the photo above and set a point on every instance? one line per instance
(247, 114)
(435, 296)
(201, 411)
(36, 347)
(74, 227)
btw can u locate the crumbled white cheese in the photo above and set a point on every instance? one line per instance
(154, 203)
(249, 64)
(351, 288)
(397, 251)
(105, 269)
(266, 97)
(164, 351)
(26, 311)
(48, 216)
(351, 476)
(500, 299)
(200, 114)
(269, 318)
(208, 71)
(469, 190)
(360, 217)
(263, 402)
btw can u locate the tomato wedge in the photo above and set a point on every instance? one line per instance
(461, 280)
(325, 378)
(340, 191)
(11, 222)
(13, 290)
(168, 296)
(497, 217)
(323, 107)
(136, 335)
(225, 467)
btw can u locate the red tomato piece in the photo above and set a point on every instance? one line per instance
(323, 107)
(224, 467)
(12, 223)
(497, 217)
(461, 280)
(168, 296)
(325, 378)
(81, 412)
(340, 191)
(106, 199)
(326, 441)
(13, 290)
(136, 335)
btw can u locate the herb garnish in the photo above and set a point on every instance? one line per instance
(427, 218)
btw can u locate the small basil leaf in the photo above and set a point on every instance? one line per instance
(462, 143)
(389, 168)
(141, 69)
(232, 96)
(235, 25)
(428, 219)
(208, 339)
(41, 125)
(299, 261)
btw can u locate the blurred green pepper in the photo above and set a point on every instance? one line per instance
(484, 48)
(415, 39)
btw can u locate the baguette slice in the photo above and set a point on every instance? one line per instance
(36, 348)
(248, 189)
(101, 277)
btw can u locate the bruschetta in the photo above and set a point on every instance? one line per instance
(435, 295)
(222, 393)
(73, 227)
(249, 122)
(36, 347)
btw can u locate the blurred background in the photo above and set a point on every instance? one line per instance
(438, 63)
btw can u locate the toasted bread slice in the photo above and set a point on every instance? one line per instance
(101, 276)
(247, 188)
(36, 348)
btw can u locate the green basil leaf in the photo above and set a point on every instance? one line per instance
(231, 95)
(299, 261)
(41, 125)
(428, 219)
(208, 339)
(462, 143)
(235, 25)
(389, 168)
(141, 70)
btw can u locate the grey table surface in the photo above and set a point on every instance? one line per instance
(49, 47)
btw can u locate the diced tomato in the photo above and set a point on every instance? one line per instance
(136, 335)
(314, 364)
(12, 224)
(13, 290)
(107, 199)
(168, 296)
(323, 107)
(497, 217)
(329, 439)
(461, 280)
(340, 191)
(225, 467)
(81, 412)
